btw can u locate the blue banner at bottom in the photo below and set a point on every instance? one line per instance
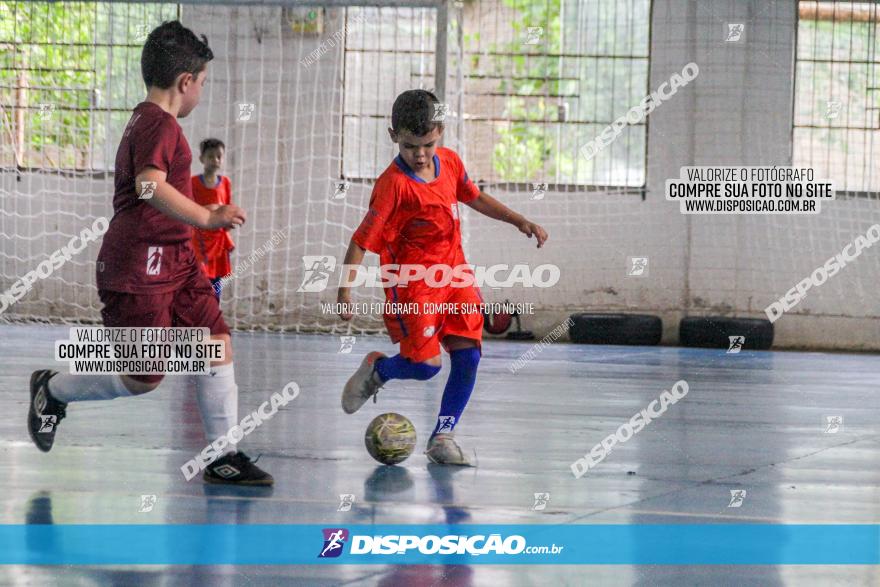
(641, 544)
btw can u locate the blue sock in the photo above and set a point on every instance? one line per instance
(458, 388)
(218, 285)
(398, 367)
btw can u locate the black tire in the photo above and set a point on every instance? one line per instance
(629, 329)
(714, 332)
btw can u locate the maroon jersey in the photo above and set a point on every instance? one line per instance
(144, 250)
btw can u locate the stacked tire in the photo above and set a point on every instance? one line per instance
(626, 329)
(715, 332)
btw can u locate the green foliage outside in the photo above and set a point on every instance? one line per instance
(53, 54)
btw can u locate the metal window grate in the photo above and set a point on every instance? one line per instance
(528, 84)
(387, 50)
(837, 93)
(541, 79)
(68, 80)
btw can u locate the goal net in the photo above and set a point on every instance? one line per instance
(301, 96)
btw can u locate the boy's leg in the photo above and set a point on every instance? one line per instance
(419, 359)
(465, 357)
(399, 367)
(195, 305)
(217, 395)
(120, 310)
(52, 391)
(462, 334)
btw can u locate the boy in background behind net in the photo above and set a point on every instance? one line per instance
(212, 190)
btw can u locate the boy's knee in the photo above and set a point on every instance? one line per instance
(139, 384)
(466, 358)
(227, 349)
(425, 371)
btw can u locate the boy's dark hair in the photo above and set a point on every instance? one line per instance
(414, 112)
(172, 49)
(209, 144)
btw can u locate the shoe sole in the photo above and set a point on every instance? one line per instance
(465, 464)
(254, 483)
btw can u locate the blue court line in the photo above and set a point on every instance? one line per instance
(638, 544)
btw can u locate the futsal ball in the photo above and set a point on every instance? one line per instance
(390, 438)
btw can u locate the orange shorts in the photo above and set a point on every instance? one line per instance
(421, 334)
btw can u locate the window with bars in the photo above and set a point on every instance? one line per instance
(836, 105)
(387, 51)
(529, 83)
(544, 78)
(69, 77)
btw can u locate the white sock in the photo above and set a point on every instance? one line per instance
(80, 388)
(217, 394)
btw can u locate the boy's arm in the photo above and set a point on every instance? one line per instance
(369, 236)
(489, 206)
(353, 256)
(226, 195)
(172, 203)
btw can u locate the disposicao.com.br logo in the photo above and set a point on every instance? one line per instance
(318, 271)
(334, 540)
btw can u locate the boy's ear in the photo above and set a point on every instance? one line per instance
(392, 134)
(183, 82)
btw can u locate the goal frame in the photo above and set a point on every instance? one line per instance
(441, 6)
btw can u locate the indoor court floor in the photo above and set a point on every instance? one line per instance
(753, 421)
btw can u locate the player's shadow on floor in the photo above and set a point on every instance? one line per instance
(236, 491)
(39, 509)
(445, 575)
(444, 492)
(387, 481)
(392, 484)
(39, 512)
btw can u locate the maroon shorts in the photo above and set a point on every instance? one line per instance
(193, 305)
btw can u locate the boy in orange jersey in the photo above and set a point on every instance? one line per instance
(414, 220)
(212, 190)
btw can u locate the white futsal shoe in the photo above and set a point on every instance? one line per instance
(363, 385)
(443, 450)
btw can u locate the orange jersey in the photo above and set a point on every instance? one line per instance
(212, 247)
(413, 221)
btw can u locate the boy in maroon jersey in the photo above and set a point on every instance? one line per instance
(147, 271)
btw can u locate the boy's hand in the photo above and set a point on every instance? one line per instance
(344, 299)
(230, 216)
(489, 206)
(530, 228)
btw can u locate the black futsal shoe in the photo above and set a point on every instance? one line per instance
(45, 411)
(237, 468)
